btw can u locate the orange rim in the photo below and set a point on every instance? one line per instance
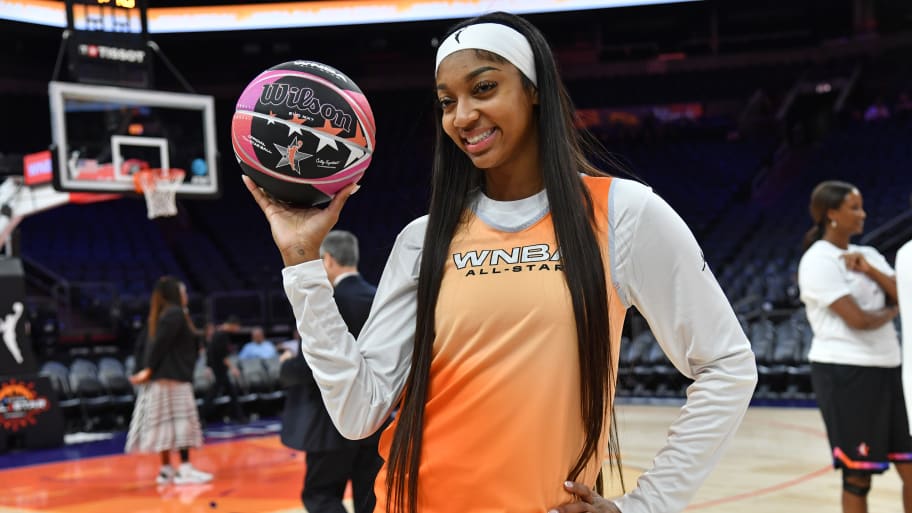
(140, 178)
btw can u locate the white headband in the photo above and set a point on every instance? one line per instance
(495, 38)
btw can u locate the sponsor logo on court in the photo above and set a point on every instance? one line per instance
(20, 405)
(534, 257)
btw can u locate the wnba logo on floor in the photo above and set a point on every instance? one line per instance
(20, 405)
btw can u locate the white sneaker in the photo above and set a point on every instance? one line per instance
(206, 476)
(187, 474)
(165, 475)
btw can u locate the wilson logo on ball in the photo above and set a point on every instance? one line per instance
(303, 131)
(304, 100)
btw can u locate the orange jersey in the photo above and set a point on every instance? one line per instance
(503, 425)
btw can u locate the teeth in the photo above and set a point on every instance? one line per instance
(479, 137)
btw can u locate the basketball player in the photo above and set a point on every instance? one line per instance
(8, 326)
(498, 317)
(850, 295)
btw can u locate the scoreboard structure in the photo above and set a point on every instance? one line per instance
(107, 42)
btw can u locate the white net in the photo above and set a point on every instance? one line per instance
(160, 191)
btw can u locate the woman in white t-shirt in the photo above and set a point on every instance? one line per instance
(850, 295)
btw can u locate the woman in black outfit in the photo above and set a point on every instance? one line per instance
(165, 417)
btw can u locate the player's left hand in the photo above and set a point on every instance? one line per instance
(589, 501)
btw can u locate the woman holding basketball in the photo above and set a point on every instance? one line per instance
(499, 349)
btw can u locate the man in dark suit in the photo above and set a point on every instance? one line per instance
(332, 460)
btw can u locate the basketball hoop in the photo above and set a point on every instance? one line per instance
(159, 186)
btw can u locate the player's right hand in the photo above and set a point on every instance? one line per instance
(298, 232)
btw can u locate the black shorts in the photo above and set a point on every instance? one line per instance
(865, 415)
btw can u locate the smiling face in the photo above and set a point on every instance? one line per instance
(488, 112)
(850, 216)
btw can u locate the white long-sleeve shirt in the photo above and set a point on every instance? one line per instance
(655, 264)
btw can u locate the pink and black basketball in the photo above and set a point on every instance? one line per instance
(302, 131)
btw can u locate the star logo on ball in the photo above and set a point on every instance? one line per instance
(295, 124)
(290, 155)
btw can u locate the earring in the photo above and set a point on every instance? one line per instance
(833, 223)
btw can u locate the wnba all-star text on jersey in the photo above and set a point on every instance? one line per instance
(534, 257)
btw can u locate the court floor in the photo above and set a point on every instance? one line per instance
(777, 462)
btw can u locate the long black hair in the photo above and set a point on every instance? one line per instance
(826, 196)
(454, 177)
(167, 292)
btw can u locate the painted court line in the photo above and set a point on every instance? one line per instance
(764, 491)
(776, 487)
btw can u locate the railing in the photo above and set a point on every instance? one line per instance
(892, 234)
(39, 276)
(267, 308)
(248, 305)
(86, 306)
(80, 306)
(749, 307)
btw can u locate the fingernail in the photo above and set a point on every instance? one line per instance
(552, 511)
(568, 484)
(355, 189)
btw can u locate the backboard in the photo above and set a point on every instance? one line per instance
(103, 135)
